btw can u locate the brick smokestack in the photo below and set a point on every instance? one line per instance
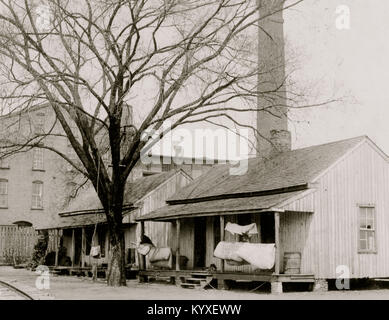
(272, 123)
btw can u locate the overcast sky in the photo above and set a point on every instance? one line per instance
(351, 63)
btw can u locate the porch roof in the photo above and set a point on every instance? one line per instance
(88, 200)
(82, 220)
(255, 204)
(86, 208)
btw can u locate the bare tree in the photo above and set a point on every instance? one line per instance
(171, 60)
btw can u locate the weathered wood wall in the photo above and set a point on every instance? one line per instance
(331, 234)
(294, 230)
(187, 241)
(16, 244)
(161, 233)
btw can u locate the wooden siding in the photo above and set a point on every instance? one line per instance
(160, 233)
(329, 238)
(187, 241)
(294, 229)
(16, 243)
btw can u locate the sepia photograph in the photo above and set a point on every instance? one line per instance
(194, 154)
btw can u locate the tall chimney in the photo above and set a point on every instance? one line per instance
(272, 114)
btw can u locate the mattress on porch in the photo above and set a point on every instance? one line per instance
(258, 255)
(160, 254)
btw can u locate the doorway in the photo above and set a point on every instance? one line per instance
(267, 227)
(77, 246)
(199, 243)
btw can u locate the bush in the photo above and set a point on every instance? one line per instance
(39, 254)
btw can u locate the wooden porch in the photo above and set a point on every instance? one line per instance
(200, 279)
(131, 273)
(192, 276)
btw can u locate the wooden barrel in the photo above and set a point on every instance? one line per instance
(292, 262)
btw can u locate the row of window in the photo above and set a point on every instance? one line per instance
(37, 160)
(37, 194)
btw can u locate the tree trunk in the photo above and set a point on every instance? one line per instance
(116, 273)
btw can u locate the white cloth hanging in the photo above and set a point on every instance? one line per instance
(258, 255)
(95, 251)
(234, 228)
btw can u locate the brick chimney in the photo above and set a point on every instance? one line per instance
(272, 122)
(280, 141)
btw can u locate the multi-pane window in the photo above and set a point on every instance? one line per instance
(37, 195)
(37, 162)
(367, 229)
(166, 167)
(39, 123)
(4, 163)
(3, 193)
(71, 154)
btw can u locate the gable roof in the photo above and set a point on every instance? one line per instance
(86, 208)
(287, 171)
(266, 185)
(88, 200)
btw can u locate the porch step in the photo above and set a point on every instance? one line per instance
(162, 278)
(195, 280)
(188, 285)
(159, 278)
(199, 274)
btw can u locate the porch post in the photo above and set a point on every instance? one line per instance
(73, 247)
(57, 241)
(178, 226)
(222, 239)
(277, 240)
(142, 258)
(83, 247)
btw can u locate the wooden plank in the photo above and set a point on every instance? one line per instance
(57, 247)
(242, 276)
(73, 247)
(222, 239)
(178, 226)
(107, 243)
(142, 258)
(277, 240)
(83, 247)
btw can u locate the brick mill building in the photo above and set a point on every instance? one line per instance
(33, 183)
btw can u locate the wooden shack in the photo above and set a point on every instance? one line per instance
(85, 217)
(324, 207)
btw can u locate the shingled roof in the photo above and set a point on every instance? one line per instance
(86, 208)
(222, 206)
(81, 220)
(88, 201)
(284, 171)
(266, 184)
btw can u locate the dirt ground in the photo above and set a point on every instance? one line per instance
(80, 288)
